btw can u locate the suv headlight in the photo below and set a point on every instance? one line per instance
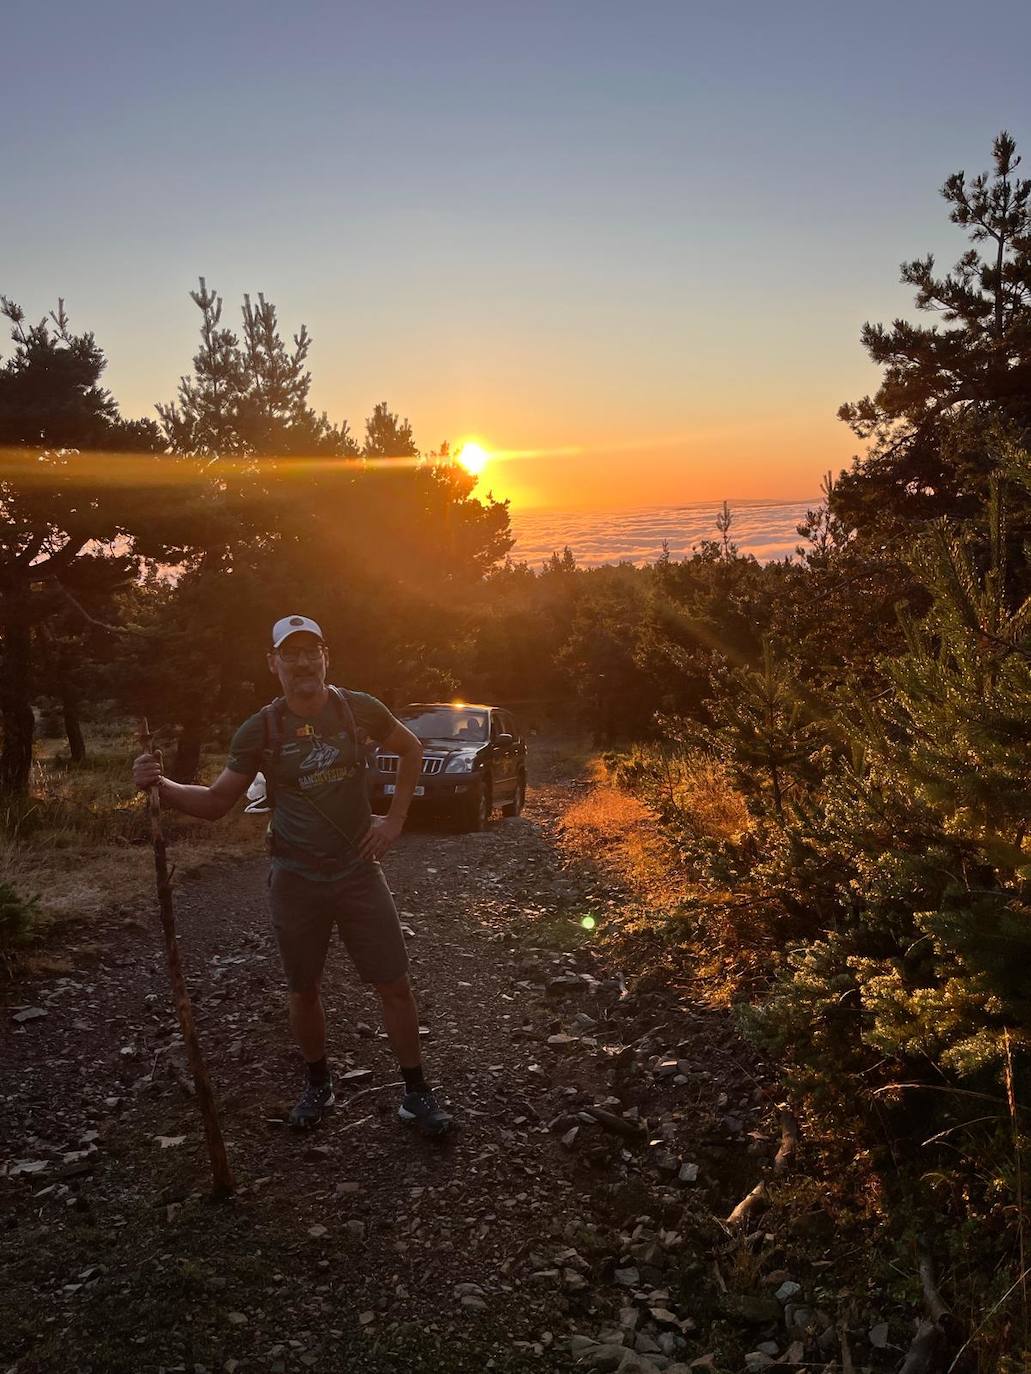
(461, 763)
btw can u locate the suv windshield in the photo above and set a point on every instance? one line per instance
(446, 722)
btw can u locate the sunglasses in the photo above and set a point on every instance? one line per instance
(302, 655)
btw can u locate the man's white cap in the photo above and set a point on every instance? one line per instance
(293, 625)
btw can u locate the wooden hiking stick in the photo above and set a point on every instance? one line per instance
(221, 1174)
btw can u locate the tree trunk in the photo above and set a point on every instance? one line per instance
(186, 764)
(72, 727)
(19, 723)
(778, 803)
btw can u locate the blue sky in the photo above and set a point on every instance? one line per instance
(653, 228)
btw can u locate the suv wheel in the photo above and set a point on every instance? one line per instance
(514, 807)
(476, 811)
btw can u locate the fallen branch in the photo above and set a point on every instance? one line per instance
(847, 1367)
(936, 1308)
(380, 1087)
(165, 1062)
(927, 1351)
(629, 1130)
(352, 1124)
(222, 1176)
(181, 1078)
(789, 1138)
(754, 1200)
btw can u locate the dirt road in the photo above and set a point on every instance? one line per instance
(535, 1239)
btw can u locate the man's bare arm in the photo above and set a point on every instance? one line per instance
(408, 748)
(207, 803)
(385, 829)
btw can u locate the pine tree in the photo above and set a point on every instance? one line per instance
(764, 730)
(724, 520)
(249, 397)
(952, 739)
(246, 400)
(388, 436)
(945, 390)
(835, 602)
(67, 538)
(927, 948)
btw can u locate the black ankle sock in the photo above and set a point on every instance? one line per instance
(318, 1072)
(414, 1080)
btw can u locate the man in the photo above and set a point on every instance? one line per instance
(326, 844)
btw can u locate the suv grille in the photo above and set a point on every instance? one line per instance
(387, 763)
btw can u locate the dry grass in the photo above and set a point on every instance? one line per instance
(692, 789)
(617, 824)
(621, 833)
(702, 791)
(626, 826)
(81, 840)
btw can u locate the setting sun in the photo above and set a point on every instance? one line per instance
(473, 457)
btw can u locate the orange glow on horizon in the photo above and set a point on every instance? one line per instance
(781, 456)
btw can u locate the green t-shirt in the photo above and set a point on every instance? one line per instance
(321, 791)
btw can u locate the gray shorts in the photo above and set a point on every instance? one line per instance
(359, 904)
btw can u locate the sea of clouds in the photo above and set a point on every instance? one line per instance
(766, 529)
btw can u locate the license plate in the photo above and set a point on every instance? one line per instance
(391, 788)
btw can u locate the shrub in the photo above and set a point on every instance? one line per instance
(18, 916)
(691, 792)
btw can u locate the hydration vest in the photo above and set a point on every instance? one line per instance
(273, 716)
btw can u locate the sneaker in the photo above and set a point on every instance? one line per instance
(312, 1105)
(423, 1110)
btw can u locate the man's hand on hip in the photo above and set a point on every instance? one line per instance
(379, 837)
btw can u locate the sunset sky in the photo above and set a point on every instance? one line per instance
(636, 241)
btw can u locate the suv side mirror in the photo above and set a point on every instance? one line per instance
(503, 738)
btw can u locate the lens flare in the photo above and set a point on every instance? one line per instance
(588, 922)
(473, 457)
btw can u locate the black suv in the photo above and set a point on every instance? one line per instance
(474, 758)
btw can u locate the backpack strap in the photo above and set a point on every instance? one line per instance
(342, 700)
(272, 718)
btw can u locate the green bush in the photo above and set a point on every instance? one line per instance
(18, 916)
(887, 836)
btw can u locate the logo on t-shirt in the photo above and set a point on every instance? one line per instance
(320, 756)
